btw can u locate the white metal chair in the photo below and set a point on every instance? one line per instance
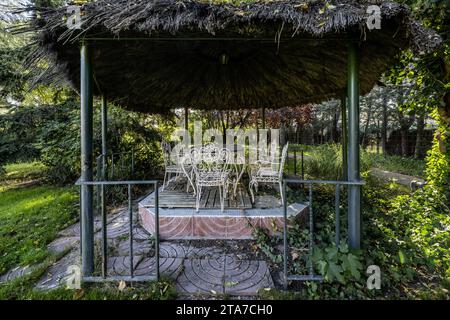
(237, 162)
(211, 169)
(173, 167)
(268, 172)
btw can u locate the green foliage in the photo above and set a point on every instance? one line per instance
(12, 77)
(51, 133)
(338, 263)
(267, 244)
(406, 235)
(438, 159)
(325, 162)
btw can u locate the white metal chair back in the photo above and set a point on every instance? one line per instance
(283, 159)
(210, 162)
(167, 151)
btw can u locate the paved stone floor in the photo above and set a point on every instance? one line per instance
(205, 267)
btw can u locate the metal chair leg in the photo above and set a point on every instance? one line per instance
(251, 192)
(281, 193)
(164, 182)
(222, 197)
(197, 201)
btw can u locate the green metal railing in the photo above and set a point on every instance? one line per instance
(104, 236)
(309, 183)
(115, 164)
(302, 162)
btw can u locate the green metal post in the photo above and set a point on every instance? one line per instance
(186, 118)
(102, 187)
(344, 135)
(354, 191)
(87, 212)
(263, 117)
(104, 133)
(186, 124)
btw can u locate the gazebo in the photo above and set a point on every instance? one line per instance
(153, 56)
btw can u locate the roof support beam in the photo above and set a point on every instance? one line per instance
(104, 129)
(354, 191)
(87, 212)
(263, 117)
(344, 133)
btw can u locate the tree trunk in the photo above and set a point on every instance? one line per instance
(384, 124)
(334, 128)
(282, 135)
(364, 140)
(418, 150)
(404, 141)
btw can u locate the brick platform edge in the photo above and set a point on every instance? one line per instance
(205, 226)
(212, 224)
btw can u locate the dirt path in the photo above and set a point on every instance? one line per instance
(400, 178)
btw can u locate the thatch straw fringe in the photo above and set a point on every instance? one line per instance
(305, 62)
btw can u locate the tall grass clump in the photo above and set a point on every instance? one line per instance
(325, 162)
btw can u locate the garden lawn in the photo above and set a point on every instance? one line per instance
(31, 215)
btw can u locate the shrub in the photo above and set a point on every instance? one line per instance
(51, 133)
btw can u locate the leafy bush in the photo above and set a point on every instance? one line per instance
(438, 162)
(406, 235)
(337, 263)
(51, 133)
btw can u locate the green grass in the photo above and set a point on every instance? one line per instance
(23, 171)
(31, 215)
(325, 162)
(408, 166)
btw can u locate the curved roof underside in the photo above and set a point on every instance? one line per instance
(193, 54)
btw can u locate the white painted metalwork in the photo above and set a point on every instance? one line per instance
(211, 167)
(264, 171)
(174, 167)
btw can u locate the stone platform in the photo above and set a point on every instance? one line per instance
(185, 223)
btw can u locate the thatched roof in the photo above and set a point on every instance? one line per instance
(223, 56)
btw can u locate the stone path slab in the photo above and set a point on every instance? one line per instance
(56, 276)
(224, 274)
(398, 177)
(169, 267)
(15, 273)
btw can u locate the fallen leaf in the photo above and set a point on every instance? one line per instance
(78, 294)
